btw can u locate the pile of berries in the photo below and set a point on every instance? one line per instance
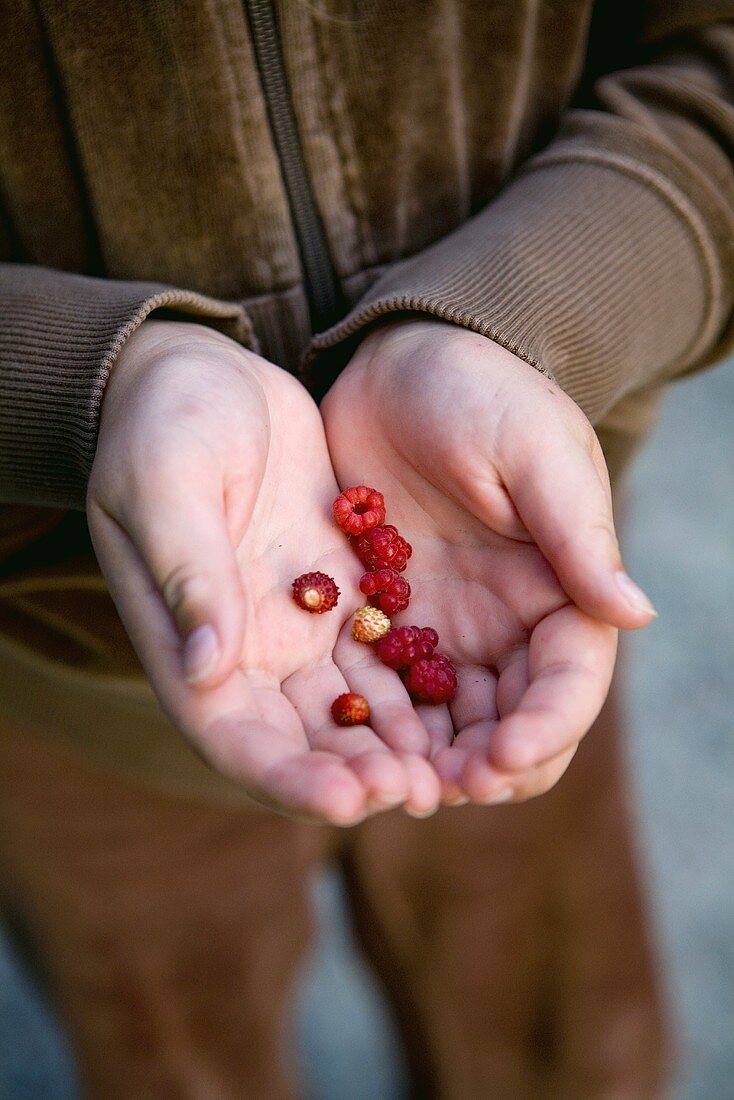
(430, 677)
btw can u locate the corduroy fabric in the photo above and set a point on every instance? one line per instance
(596, 330)
(58, 341)
(606, 260)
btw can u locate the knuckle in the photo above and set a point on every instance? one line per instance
(593, 532)
(184, 590)
(604, 527)
(96, 495)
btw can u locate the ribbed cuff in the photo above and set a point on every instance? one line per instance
(59, 336)
(592, 269)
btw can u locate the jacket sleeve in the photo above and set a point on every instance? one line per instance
(608, 260)
(59, 336)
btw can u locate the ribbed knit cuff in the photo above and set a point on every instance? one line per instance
(592, 269)
(59, 336)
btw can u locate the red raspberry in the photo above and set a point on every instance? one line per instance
(358, 509)
(404, 645)
(432, 680)
(383, 546)
(315, 592)
(350, 709)
(392, 590)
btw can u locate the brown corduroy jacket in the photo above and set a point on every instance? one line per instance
(556, 175)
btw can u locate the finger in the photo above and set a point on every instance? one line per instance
(538, 781)
(263, 746)
(564, 502)
(439, 726)
(150, 627)
(243, 728)
(392, 715)
(475, 702)
(450, 762)
(570, 664)
(440, 729)
(187, 546)
(487, 786)
(513, 680)
(311, 691)
(180, 531)
(476, 696)
(425, 786)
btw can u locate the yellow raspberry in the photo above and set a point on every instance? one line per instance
(370, 624)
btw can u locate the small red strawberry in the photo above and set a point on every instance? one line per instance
(350, 709)
(358, 509)
(383, 546)
(432, 680)
(390, 591)
(315, 592)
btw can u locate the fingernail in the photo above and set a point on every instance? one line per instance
(201, 653)
(459, 800)
(419, 815)
(387, 801)
(501, 796)
(349, 823)
(634, 596)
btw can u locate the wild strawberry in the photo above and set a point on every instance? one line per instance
(391, 592)
(383, 546)
(405, 645)
(432, 680)
(369, 624)
(358, 509)
(350, 709)
(315, 592)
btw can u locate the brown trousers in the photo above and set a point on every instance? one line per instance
(511, 940)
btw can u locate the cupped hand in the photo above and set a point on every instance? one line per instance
(210, 492)
(498, 480)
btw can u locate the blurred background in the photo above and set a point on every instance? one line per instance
(680, 548)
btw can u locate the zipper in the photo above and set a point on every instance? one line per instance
(325, 301)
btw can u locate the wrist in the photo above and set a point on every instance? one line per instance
(155, 338)
(401, 327)
(417, 334)
(178, 393)
(157, 344)
(410, 351)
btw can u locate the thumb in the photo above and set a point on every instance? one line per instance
(565, 502)
(188, 550)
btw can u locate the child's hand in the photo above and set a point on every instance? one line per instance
(210, 492)
(492, 473)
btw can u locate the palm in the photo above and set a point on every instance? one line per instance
(477, 575)
(268, 723)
